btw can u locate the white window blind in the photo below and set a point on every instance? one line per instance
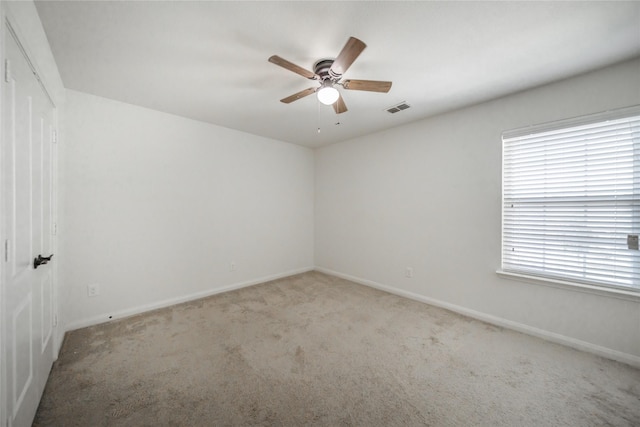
(571, 200)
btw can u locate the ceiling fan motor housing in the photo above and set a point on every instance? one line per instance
(323, 69)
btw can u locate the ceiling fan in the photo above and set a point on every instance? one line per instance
(328, 72)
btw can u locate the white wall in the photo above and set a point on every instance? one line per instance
(428, 196)
(158, 206)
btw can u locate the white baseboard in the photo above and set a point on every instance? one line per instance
(606, 352)
(95, 320)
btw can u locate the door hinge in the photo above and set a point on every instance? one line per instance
(6, 250)
(55, 320)
(54, 136)
(6, 71)
(54, 229)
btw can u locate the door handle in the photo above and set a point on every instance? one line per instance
(41, 260)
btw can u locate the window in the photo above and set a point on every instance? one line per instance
(571, 200)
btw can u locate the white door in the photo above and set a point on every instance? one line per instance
(27, 170)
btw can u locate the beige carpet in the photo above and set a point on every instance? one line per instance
(316, 350)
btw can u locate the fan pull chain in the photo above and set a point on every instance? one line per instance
(318, 115)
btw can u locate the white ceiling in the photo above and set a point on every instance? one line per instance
(208, 60)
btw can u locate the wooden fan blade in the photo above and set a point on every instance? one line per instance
(347, 55)
(339, 106)
(296, 96)
(369, 85)
(275, 59)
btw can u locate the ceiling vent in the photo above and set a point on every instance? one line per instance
(397, 108)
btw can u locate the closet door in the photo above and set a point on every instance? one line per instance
(27, 311)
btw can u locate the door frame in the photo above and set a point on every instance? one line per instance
(8, 23)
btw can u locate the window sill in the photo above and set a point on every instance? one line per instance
(574, 286)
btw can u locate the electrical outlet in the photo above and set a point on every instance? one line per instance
(408, 272)
(93, 290)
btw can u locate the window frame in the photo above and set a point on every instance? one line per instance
(555, 280)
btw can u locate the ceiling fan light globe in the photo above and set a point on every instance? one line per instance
(328, 95)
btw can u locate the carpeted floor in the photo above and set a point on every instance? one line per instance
(317, 350)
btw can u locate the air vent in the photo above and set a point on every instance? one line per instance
(397, 108)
